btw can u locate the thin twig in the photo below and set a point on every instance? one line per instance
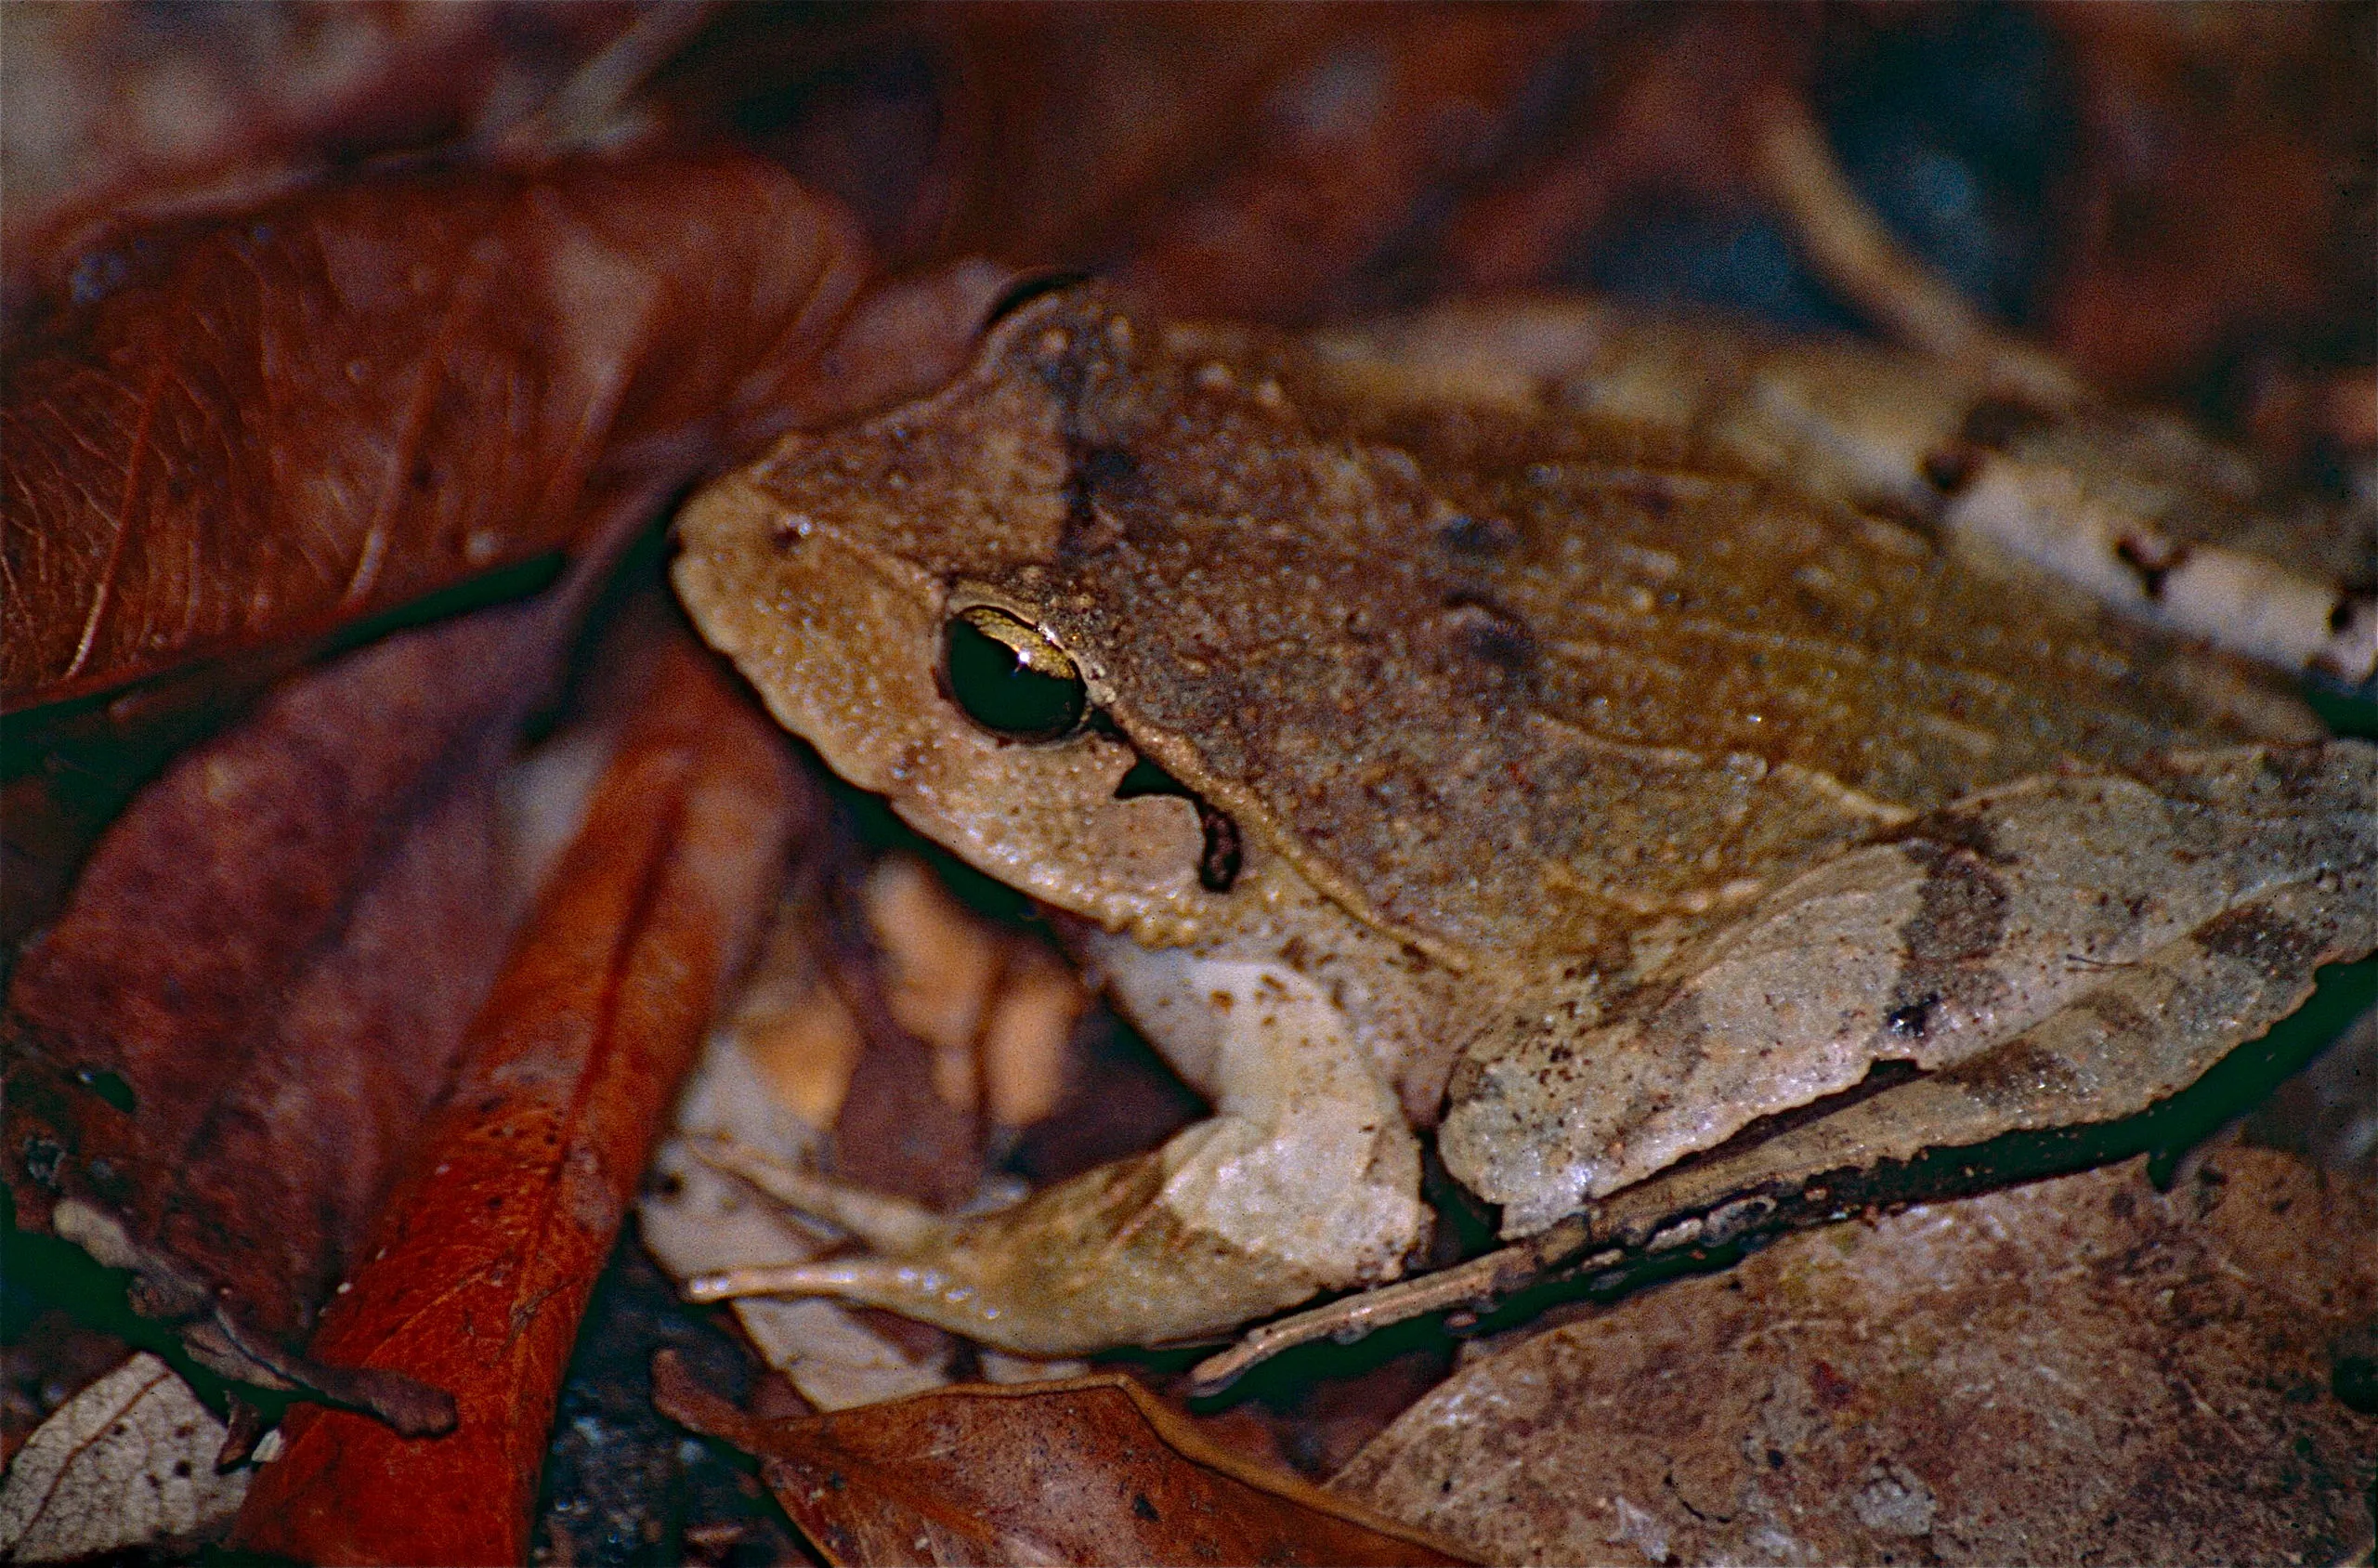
(1471, 1284)
(1847, 243)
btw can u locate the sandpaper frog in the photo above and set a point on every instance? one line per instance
(1403, 759)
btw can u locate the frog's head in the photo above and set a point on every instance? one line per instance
(878, 585)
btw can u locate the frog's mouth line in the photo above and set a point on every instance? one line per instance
(1219, 862)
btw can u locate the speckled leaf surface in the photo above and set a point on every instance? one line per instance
(2080, 1369)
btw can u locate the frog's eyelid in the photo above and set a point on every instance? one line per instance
(1006, 676)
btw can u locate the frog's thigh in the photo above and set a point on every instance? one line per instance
(1307, 1159)
(1975, 924)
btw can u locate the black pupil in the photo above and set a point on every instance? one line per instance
(1001, 692)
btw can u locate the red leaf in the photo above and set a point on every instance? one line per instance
(483, 1261)
(245, 431)
(221, 1049)
(1089, 1470)
(271, 959)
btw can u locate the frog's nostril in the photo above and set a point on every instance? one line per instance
(1010, 679)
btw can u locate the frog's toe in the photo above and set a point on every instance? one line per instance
(1306, 1179)
(884, 1223)
(915, 1289)
(1117, 1255)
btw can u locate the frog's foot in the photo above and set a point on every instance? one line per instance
(1306, 1179)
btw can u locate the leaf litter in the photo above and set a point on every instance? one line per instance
(2082, 1367)
(253, 430)
(1194, 146)
(129, 1462)
(1088, 1470)
(220, 1044)
(483, 1259)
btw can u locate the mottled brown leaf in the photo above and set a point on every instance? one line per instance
(1089, 1470)
(248, 430)
(2079, 1371)
(483, 1259)
(221, 1050)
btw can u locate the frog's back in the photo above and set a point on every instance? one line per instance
(1513, 698)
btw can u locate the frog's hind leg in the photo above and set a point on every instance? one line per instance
(1305, 1179)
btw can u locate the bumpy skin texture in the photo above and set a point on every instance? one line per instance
(1608, 809)
(2133, 508)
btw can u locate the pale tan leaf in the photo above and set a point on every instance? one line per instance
(129, 1462)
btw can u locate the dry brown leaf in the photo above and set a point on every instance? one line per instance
(1663, 117)
(248, 430)
(2076, 1370)
(119, 108)
(1036, 133)
(220, 1050)
(1089, 1470)
(1266, 159)
(893, 1131)
(483, 1259)
(1350, 151)
(127, 1463)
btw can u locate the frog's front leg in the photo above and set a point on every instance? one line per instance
(1305, 1179)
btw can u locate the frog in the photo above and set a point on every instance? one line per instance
(1416, 765)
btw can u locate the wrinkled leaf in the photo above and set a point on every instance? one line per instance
(2077, 1370)
(72, 766)
(248, 430)
(1089, 1470)
(482, 1260)
(129, 1462)
(221, 1049)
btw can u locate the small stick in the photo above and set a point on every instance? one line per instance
(586, 109)
(1351, 1317)
(1854, 252)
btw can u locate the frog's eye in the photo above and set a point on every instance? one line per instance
(1010, 679)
